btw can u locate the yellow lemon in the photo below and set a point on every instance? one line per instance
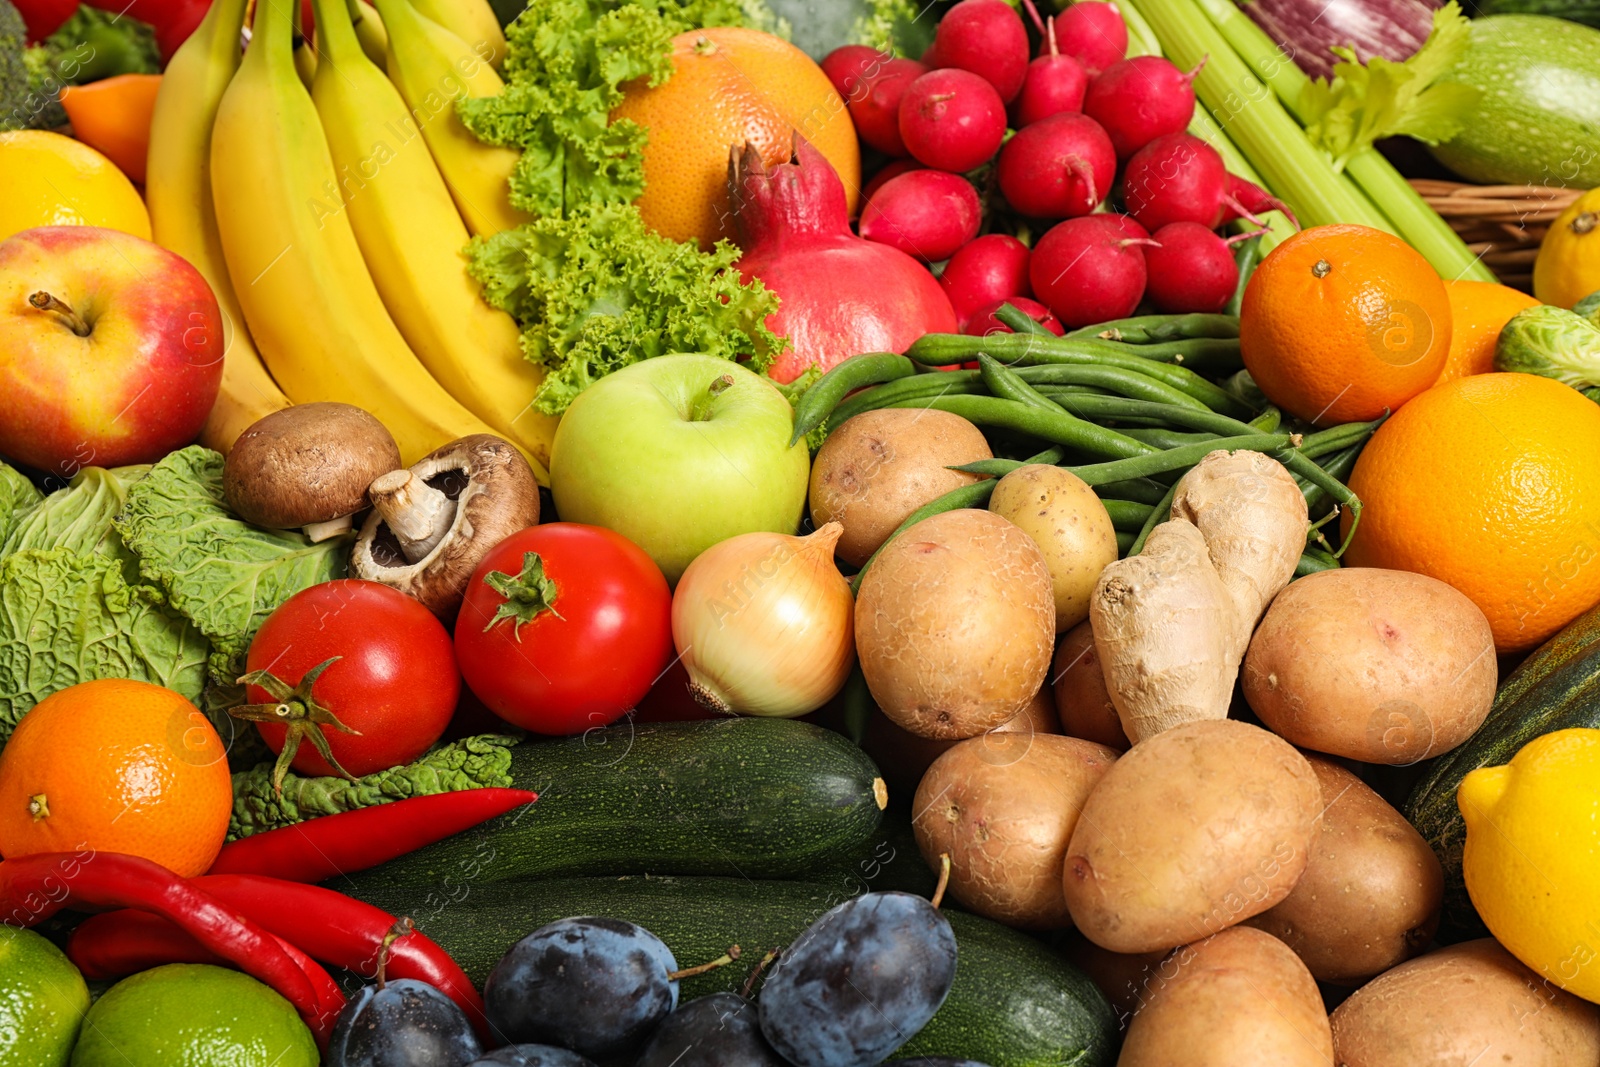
(51, 180)
(1532, 861)
(1568, 267)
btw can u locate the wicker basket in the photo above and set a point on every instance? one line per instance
(1501, 223)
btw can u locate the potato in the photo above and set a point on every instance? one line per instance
(1371, 893)
(1196, 829)
(1238, 999)
(1376, 665)
(1082, 702)
(879, 467)
(1003, 807)
(903, 757)
(1471, 1003)
(954, 624)
(1069, 524)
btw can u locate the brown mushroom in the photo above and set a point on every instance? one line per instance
(307, 466)
(432, 525)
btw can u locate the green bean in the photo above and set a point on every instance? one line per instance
(1120, 409)
(1213, 355)
(1158, 514)
(1115, 380)
(1246, 255)
(1337, 438)
(920, 385)
(975, 495)
(1127, 515)
(1057, 427)
(1125, 542)
(1313, 560)
(1143, 490)
(1020, 321)
(999, 468)
(1143, 329)
(1339, 465)
(1268, 421)
(1162, 437)
(857, 372)
(1179, 458)
(1004, 383)
(1305, 467)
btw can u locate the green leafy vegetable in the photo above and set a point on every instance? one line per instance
(218, 571)
(899, 27)
(78, 517)
(471, 763)
(1555, 343)
(18, 497)
(67, 618)
(1385, 99)
(599, 291)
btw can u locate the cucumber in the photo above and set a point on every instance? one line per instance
(1555, 688)
(747, 797)
(1538, 121)
(1015, 1002)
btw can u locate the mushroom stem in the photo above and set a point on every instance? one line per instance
(418, 514)
(322, 531)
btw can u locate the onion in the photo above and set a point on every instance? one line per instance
(1393, 29)
(764, 624)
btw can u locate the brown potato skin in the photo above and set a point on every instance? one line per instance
(955, 624)
(903, 757)
(1370, 896)
(1003, 807)
(1471, 1003)
(1375, 665)
(1241, 998)
(1082, 701)
(880, 466)
(1069, 524)
(1191, 831)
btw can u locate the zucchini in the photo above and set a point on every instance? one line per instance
(1015, 1002)
(746, 797)
(1555, 688)
(1584, 11)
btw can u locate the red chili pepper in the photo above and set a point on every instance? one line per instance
(325, 847)
(33, 888)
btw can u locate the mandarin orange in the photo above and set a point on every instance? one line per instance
(1341, 323)
(1489, 483)
(116, 766)
(1478, 312)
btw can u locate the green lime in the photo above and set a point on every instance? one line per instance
(42, 1001)
(193, 1015)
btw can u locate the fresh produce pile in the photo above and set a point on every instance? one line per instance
(579, 533)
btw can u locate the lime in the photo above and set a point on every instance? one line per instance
(42, 1001)
(193, 1015)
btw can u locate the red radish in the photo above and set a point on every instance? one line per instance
(1181, 178)
(846, 65)
(892, 169)
(985, 324)
(952, 120)
(1090, 269)
(1190, 269)
(984, 272)
(839, 295)
(875, 105)
(986, 37)
(1249, 200)
(1093, 33)
(1140, 99)
(924, 213)
(1061, 167)
(1055, 83)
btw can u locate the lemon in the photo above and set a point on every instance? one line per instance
(51, 180)
(193, 1015)
(42, 1001)
(1568, 267)
(1532, 860)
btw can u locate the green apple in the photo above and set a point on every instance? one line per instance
(677, 453)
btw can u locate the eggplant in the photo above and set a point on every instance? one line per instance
(1306, 30)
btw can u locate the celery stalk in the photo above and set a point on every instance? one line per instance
(1254, 120)
(1415, 221)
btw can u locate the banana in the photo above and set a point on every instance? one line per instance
(432, 68)
(305, 54)
(306, 293)
(412, 237)
(473, 21)
(369, 30)
(178, 192)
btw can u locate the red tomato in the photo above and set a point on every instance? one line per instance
(564, 627)
(395, 678)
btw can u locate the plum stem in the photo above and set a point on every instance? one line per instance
(402, 926)
(721, 961)
(763, 964)
(944, 880)
(44, 301)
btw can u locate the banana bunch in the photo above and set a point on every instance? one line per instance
(329, 214)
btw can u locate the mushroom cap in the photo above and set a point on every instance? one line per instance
(496, 495)
(306, 464)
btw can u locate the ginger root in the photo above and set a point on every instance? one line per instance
(1172, 624)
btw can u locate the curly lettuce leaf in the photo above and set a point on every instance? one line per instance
(220, 572)
(599, 291)
(896, 27)
(1363, 104)
(80, 516)
(18, 497)
(482, 762)
(67, 617)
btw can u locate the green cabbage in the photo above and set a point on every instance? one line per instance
(18, 497)
(218, 571)
(77, 517)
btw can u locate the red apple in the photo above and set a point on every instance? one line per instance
(110, 349)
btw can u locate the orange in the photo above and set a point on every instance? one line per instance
(1489, 483)
(116, 766)
(731, 86)
(113, 115)
(1342, 323)
(1478, 312)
